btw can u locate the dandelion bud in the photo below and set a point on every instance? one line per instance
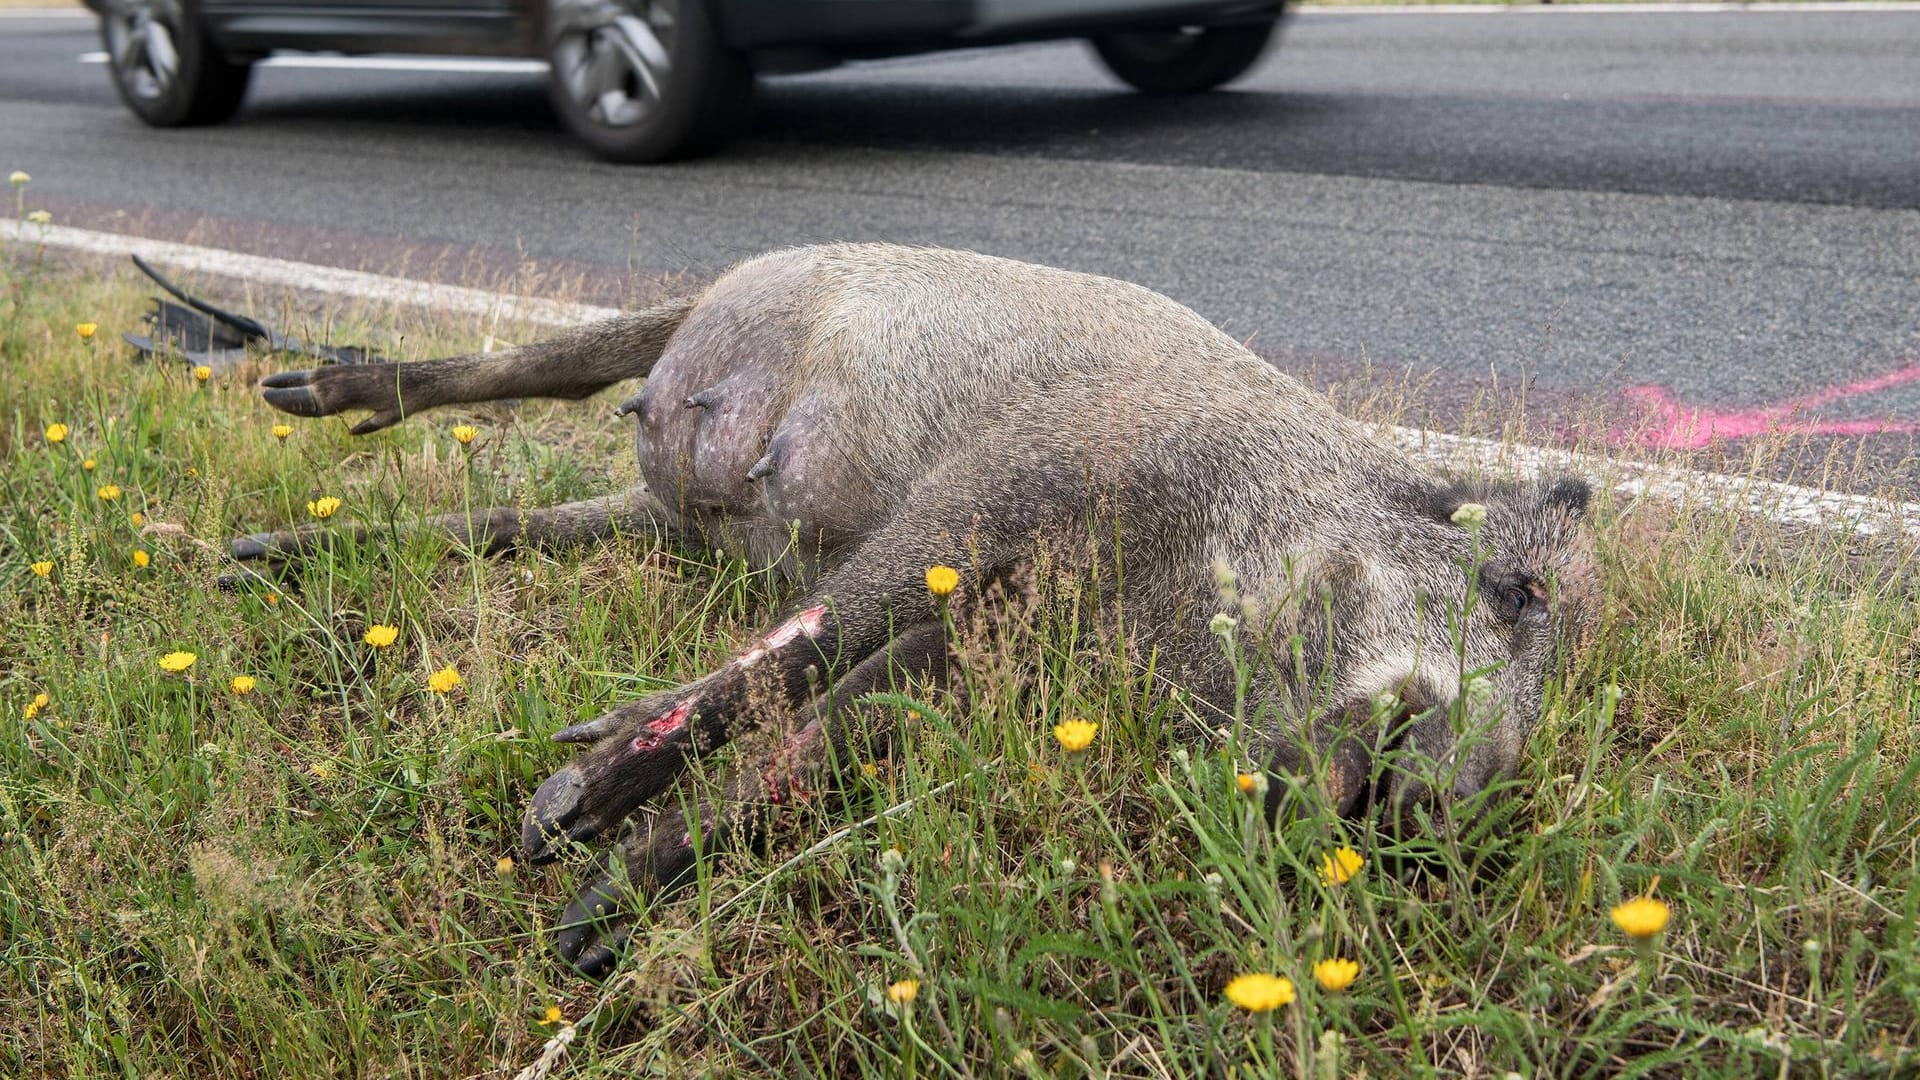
(1478, 693)
(1470, 515)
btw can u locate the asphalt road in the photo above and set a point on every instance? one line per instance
(1723, 206)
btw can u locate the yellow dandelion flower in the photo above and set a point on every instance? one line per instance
(201, 373)
(56, 433)
(30, 710)
(1246, 782)
(942, 580)
(41, 700)
(85, 329)
(380, 635)
(108, 492)
(504, 865)
(281, 431)
(444, 681)
(273, 598)
(1335, 974)
(323, 507)
(869, 769)
(904, 991)
(1339, 867)
(1642, 916)
(43, 568)
(177, 662)
(243, 684)
(89, 464)
(554, 1015)
(193, 472)
(465, 433)
(1075, 735)
(141, 558)
(1258, 992)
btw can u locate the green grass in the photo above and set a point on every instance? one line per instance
(305, 881)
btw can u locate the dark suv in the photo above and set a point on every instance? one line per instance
(649, 80)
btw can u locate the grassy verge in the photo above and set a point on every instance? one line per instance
(312, 878)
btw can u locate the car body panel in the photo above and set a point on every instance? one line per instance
(825, 30)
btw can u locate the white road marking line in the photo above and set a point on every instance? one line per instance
(1783, 503)
(297, 275)
(478, 65)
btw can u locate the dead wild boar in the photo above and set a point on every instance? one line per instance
(854, 414)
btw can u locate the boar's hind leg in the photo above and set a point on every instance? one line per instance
(489, 532)
(660, 854)
(572, 365)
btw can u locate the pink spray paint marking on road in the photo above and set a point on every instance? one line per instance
(808, 623)
(1672, 425)
(662, 727)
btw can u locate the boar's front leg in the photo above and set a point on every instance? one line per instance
(489, 532)
(661, 854)
(640, 747)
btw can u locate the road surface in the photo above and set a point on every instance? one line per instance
(1612, 214)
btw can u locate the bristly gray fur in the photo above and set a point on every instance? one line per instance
(854, 413)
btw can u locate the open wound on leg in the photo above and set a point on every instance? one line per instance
(663, 727)
(807, 624)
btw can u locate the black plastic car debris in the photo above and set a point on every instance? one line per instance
(199, 333)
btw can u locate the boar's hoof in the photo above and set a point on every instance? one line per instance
(331, 390)
(293, 392)
(555, 816)
(595, 926)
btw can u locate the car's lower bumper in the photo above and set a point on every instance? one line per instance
(758, 24)
(904, 25)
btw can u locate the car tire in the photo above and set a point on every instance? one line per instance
(643, 81)
(1184, 60)
(165, 67)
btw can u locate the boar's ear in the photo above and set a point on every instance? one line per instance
(1570, 492)
(1441, 500)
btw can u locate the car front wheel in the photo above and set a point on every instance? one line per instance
(166, 68)
(644, 80)
(1185, 60)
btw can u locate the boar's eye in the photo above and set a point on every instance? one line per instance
(1513, 593)
(1514, 602)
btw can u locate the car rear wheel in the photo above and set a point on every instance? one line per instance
(644, 80)
(1184, 60)
(166, 68)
